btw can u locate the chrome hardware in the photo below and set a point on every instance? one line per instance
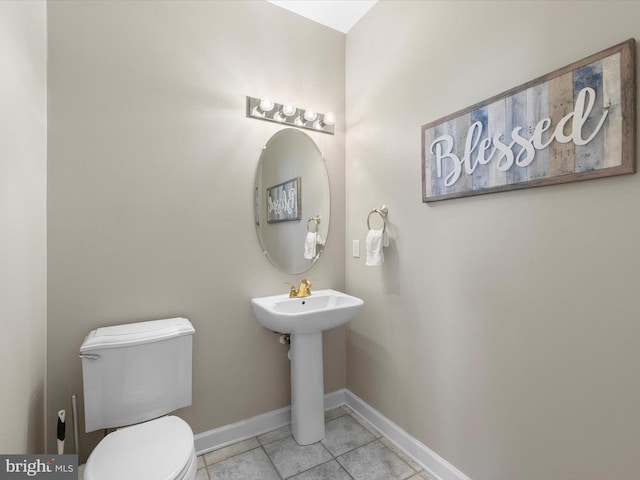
(90, 356)
(383, 212)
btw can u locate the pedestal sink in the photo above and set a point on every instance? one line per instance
(304, 319)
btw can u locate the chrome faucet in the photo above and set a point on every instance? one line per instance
(304, 290)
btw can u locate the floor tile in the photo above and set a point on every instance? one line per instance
(230, 451)
(344, 434)
(290, 458)
(274, 435)
(362, 454)
(326, 471)
(251, 465)
(334, 413)
(201, 474)
(374, 461)
(367, 425)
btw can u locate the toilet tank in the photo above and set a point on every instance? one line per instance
(136, 372)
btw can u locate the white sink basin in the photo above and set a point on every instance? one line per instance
(323, 310)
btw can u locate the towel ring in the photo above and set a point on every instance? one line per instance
(317, 219)
(383, 211)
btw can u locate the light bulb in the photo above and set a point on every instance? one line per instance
(267, 104)
(284, 112)
(288, 110)
(329, 118)
(310, 115)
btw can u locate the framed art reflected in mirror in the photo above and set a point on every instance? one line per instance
(284, 201)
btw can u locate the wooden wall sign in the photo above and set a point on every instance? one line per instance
(573, 124)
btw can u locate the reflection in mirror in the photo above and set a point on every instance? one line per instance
(292, 204)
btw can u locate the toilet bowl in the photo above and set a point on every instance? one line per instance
(160, 449)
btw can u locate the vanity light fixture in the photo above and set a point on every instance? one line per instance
(267, 109)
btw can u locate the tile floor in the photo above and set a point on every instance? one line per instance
(351, 450)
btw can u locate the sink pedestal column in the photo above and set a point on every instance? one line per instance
(307, 388)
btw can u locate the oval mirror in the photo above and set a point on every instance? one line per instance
(292, 204)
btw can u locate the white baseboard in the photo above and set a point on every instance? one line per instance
(254, 426)
(242, 430)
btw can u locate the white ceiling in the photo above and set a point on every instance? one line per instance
(340, 15)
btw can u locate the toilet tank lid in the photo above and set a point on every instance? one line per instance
(136, 333)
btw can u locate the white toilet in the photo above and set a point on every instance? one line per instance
(135, 374)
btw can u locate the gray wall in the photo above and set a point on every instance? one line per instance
(151, 171)
(23, 223)
(503, 329)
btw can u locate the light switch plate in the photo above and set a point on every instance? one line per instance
(356, 249)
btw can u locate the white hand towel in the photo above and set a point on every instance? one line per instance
(376, 239)
(310, 242)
